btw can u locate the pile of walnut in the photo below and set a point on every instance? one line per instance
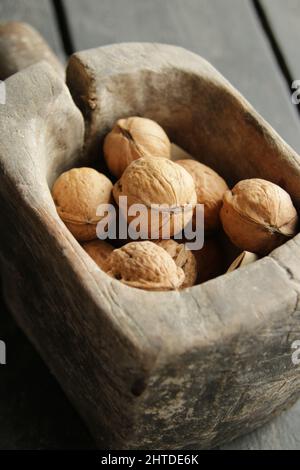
(252, 219)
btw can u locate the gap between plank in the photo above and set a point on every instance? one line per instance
(63, 25)
(68, 45)
(262, 16)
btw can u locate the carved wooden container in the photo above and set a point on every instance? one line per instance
(163, 370)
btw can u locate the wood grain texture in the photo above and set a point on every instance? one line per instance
(185, 365)
(34, 412)
(227, 33)
(22, 46)
(230, 36)
(281, 432)
(210, 120)
(284, 21)
(39, 14)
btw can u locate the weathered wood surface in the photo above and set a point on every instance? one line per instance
(183, 367)
(39, 14)
(231, 37)
(283, 17)
(21, 46)
(27, 433)
(281, 433)
(138, 87)
(227, 33)
(34, 412)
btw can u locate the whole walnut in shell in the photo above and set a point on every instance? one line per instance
(183, 258)
(99, 251)
(258, 216)
(133, 138)
(145, 265)
(210, 189)
(77, 193)
(153, 182)
(210, 260)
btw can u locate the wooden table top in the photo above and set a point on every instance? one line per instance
(254, 44)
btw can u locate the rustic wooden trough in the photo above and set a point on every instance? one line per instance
(167, 370)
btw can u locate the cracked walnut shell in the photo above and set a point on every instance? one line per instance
(258, 216)
(183, 258)
(145, 265)
(210, 189)
(153, 182)
(77, 193)
(133, 138)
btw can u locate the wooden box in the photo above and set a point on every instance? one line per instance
(152, 370)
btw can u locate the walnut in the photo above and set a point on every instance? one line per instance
(151, 181)
(210, 189)
(258, 216)
(99, 251)
(183, 258)
(243, 259)
(145, 265)
(77, 193)
(132, 138)
(210, 260)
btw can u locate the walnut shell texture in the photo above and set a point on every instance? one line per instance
(77, 193)
(258, 216)
(99, 251)
(156, 181)
(183, 258)
(145, 265)
(210, 189)
(133, 138)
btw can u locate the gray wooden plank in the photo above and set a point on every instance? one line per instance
(283, 17)
(34, 412)
(228, 34)
(39, 14)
